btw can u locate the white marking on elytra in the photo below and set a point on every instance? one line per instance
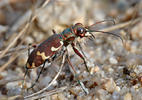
(55, 49)
(42, 55)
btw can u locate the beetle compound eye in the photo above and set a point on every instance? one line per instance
(80, 30)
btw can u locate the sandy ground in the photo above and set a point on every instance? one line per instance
(115, 66)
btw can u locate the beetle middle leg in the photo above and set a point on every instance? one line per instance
(80, 55)
(38, 75)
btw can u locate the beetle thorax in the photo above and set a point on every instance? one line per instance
(68, 35)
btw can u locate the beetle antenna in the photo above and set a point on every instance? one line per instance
(107, 33)
(107, 20)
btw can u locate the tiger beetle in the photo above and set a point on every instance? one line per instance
(48, 49)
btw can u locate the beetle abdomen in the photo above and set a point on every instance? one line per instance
(44, 51)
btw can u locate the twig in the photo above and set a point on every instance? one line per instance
(22, 20)
(28, 13)
(17, 37)
(44, 89)
(3, 3)
(3, 28)
(45, 94)
(12, 58)
(14, 41)
(122, 25)
(45, 3)
(25, 17)
(17, 49)
(5, 81)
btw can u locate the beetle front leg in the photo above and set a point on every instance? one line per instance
(76, 75)
(80, 55)
(81, 49)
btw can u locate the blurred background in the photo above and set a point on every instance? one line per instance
(116, 67)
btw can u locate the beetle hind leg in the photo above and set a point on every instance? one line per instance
(24, 77)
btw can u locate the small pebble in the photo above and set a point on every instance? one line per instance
(54, 97)
(117, 88)
(75, 90)
(45, 81)
(94, 69)
(109, 85)
(29, 40)
(115, 96)
(61, 96)
(14, 91)
(113, 60)
(128, 96)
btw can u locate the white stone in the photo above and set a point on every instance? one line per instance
(113, 60)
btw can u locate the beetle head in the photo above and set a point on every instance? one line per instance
(81, 31)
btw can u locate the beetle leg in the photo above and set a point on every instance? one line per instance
(80, 55)
(38, 75)
(26, 64)
(76, 76)
(54, 32)
(68, 59)
(24, 77)
(29, 47)
(34, 46)
(29, 50)
(81, 49)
